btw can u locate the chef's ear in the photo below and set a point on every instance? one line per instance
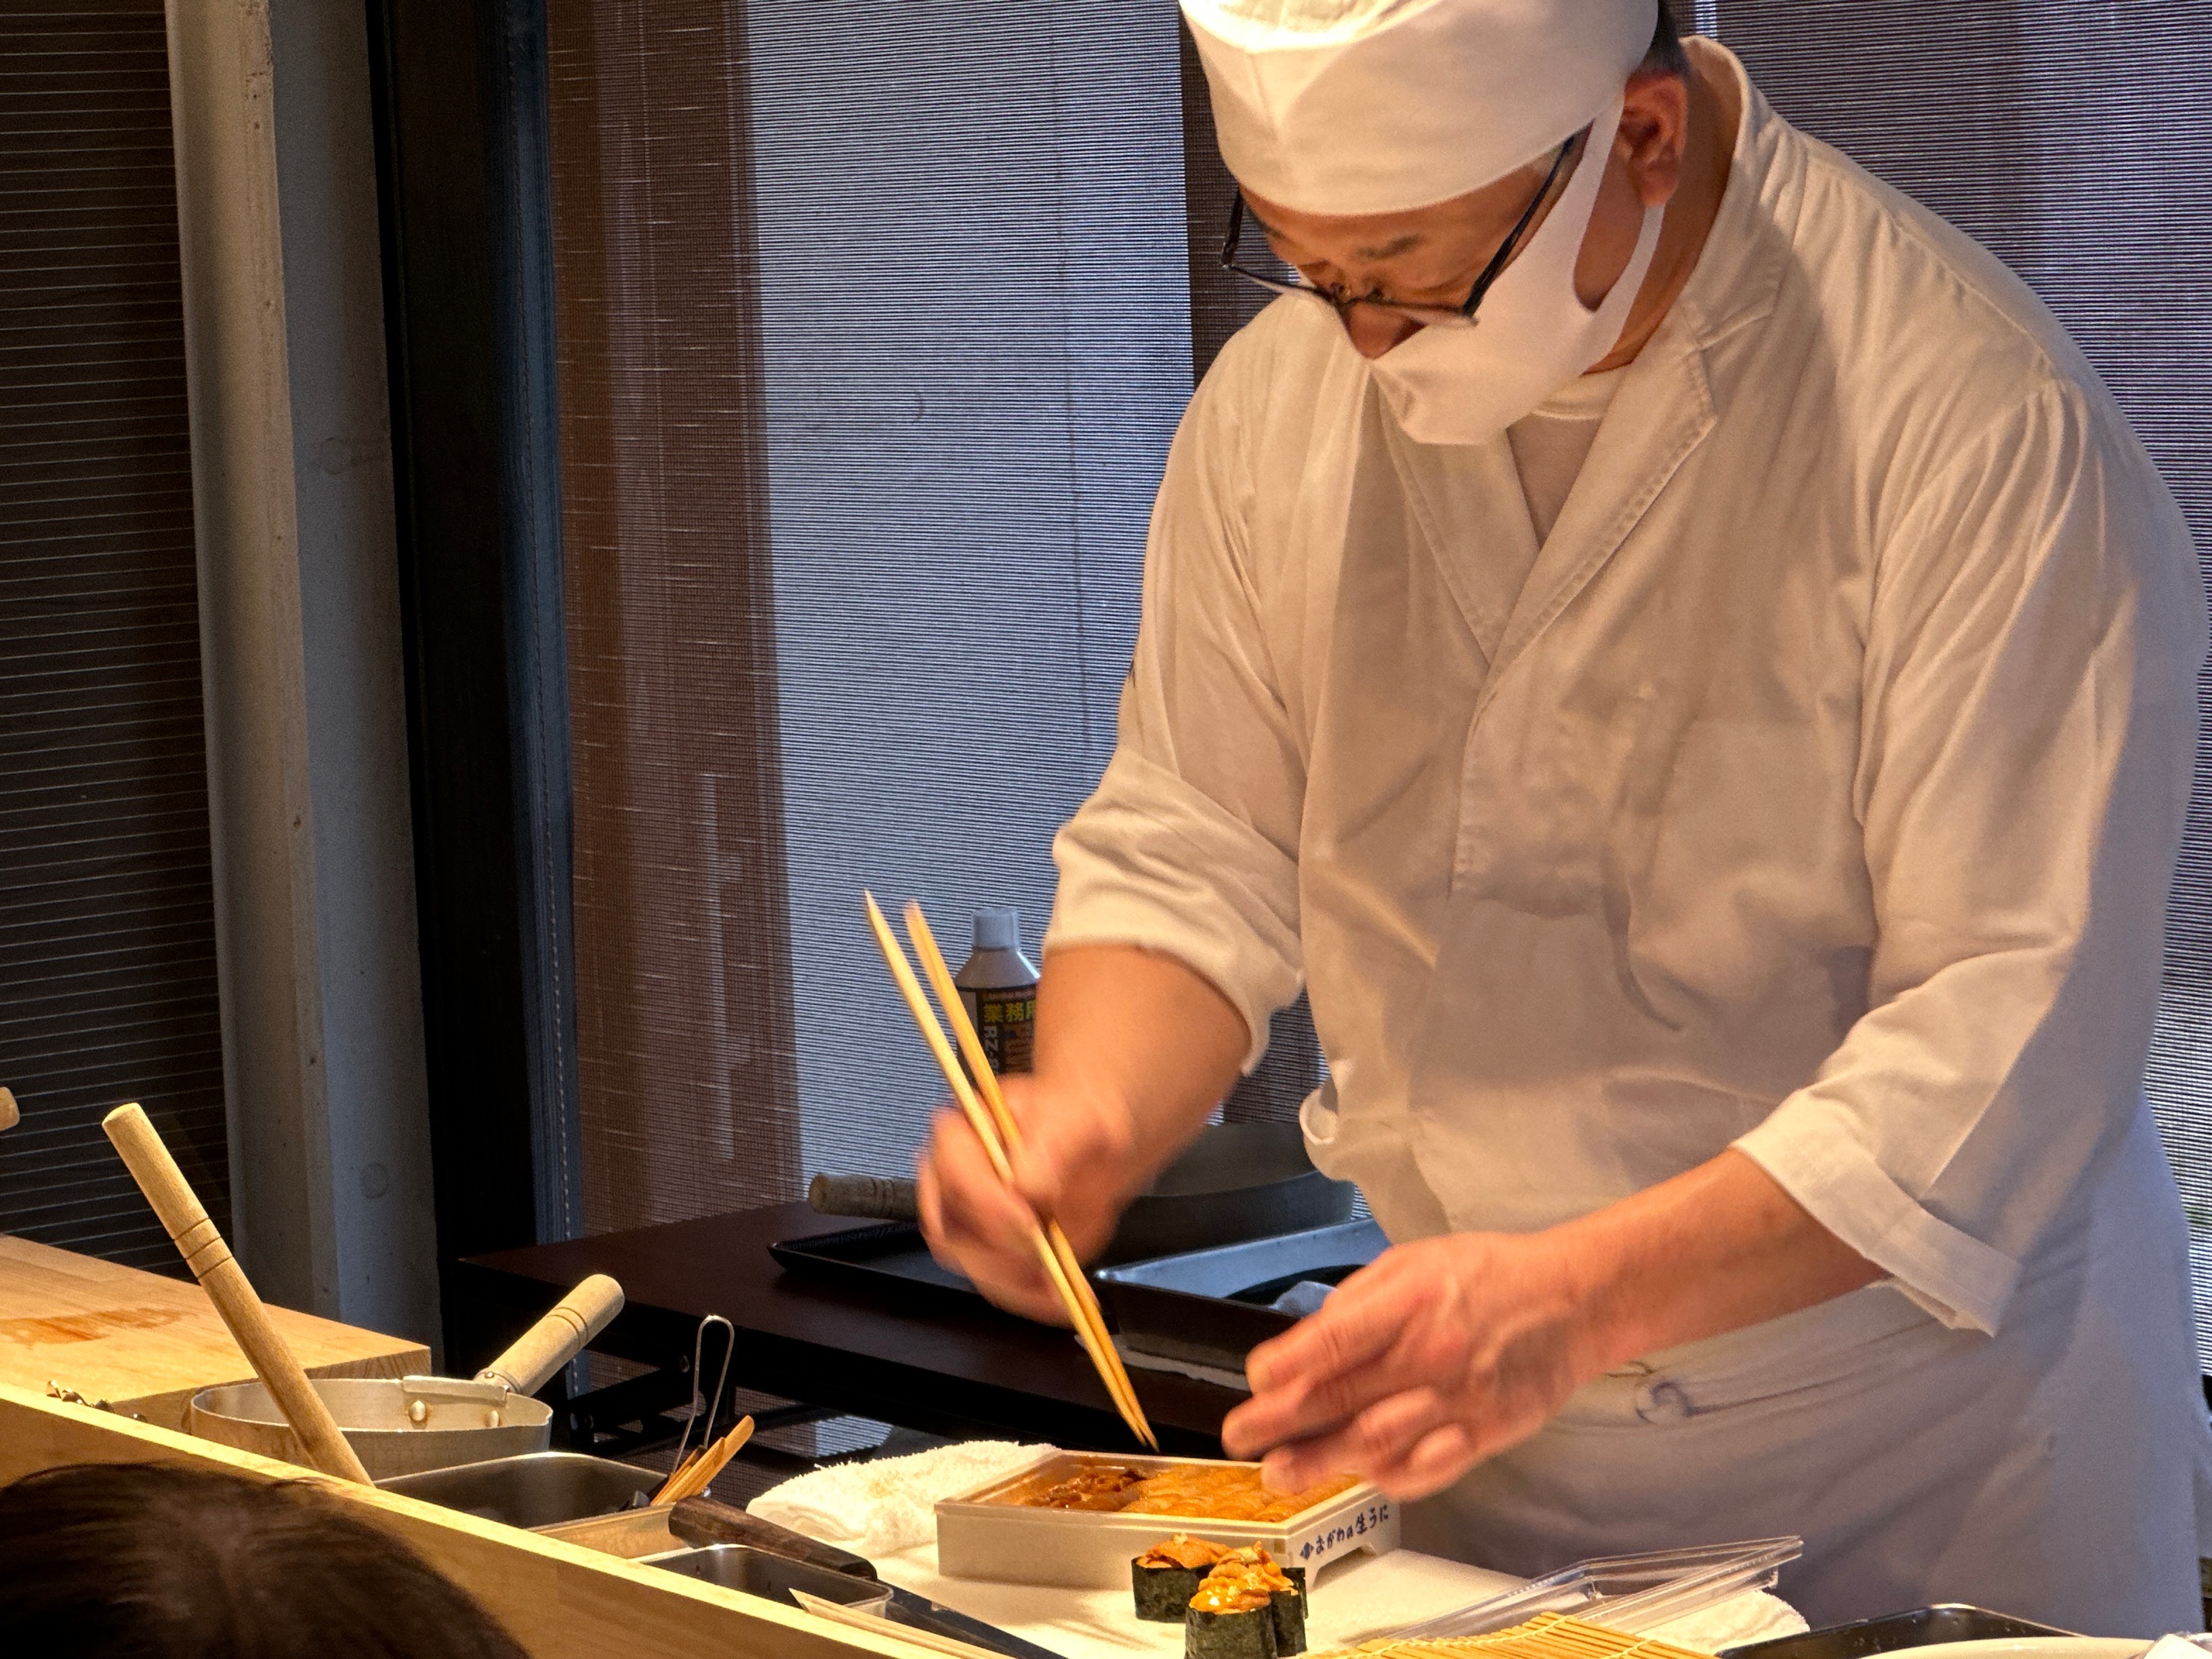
(1654, 133)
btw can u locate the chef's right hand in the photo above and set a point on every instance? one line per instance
(1079, 1163)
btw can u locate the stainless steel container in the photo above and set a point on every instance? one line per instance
(740, 1567)
(736, 1566)
(539, 1489)
(1086, 1549)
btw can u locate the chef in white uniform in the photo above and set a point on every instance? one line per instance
(1711, 734)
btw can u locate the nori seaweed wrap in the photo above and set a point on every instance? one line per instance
(1238, 1633)
(1247, 1608)
(1288, 1610)
(1166, 1576)
(1162, 1593)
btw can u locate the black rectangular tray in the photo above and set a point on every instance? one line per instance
(883, 1255)
(1922, 1627)
(1210, 1307)
(1180, 1307)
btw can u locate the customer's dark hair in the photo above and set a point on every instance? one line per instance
(154, 1561)
(1666, 52)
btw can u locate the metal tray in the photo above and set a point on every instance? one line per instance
(757, 1572)
(883, 1255)
(537, 1489)
(1237, 1181)
(740, 1567)
(633, 1534)
(1210, 1307)
(1084, 1549)
(1949, 1621)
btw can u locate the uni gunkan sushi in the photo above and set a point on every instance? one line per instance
(1247, 1608)
(1166, 1576)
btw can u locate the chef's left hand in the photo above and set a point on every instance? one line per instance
(1443, 1353)
(1450, 1350)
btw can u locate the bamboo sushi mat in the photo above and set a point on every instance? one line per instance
(1547, 1636)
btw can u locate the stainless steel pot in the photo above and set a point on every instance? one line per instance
(404, 1425)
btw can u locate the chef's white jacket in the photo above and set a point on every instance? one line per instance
(1816, 795)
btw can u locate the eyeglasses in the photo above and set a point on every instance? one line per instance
(1428, 316)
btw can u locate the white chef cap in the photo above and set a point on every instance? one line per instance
(1373, 106)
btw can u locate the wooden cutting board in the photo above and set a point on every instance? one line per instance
(146, 1345)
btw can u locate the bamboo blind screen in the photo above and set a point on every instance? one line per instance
(108, 970)
(872, 336)
(688, 1096)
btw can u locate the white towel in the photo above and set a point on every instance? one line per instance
(874, 1509)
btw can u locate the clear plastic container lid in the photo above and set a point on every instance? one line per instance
(1630, 1593)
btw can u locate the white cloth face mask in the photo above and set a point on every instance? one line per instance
(1532, 334)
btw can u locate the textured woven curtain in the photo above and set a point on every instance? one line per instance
(975, 326)
(2074, 139)
(687, 1094)
(107, 968)
(873, 328)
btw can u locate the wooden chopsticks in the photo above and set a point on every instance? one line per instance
(996, 1128)
(698, 1471)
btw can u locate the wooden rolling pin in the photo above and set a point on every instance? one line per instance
(224, 1280)
(881, 1197)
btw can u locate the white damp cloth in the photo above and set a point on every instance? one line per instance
(875, 1509)
(1372, 105)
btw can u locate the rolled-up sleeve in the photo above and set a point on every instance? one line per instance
(1189, 847)
(2029, 722)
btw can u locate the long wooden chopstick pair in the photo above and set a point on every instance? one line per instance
(698, 1471)
(1081, 1302)
(996, 1128)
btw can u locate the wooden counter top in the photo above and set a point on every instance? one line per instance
(145, 1344)
(558, 1599)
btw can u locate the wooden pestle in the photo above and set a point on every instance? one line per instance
(224, 1280)
(880, 1198)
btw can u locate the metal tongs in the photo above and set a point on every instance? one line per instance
(1630, 1593)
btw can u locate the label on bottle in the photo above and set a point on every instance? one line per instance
(1005, 1021)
